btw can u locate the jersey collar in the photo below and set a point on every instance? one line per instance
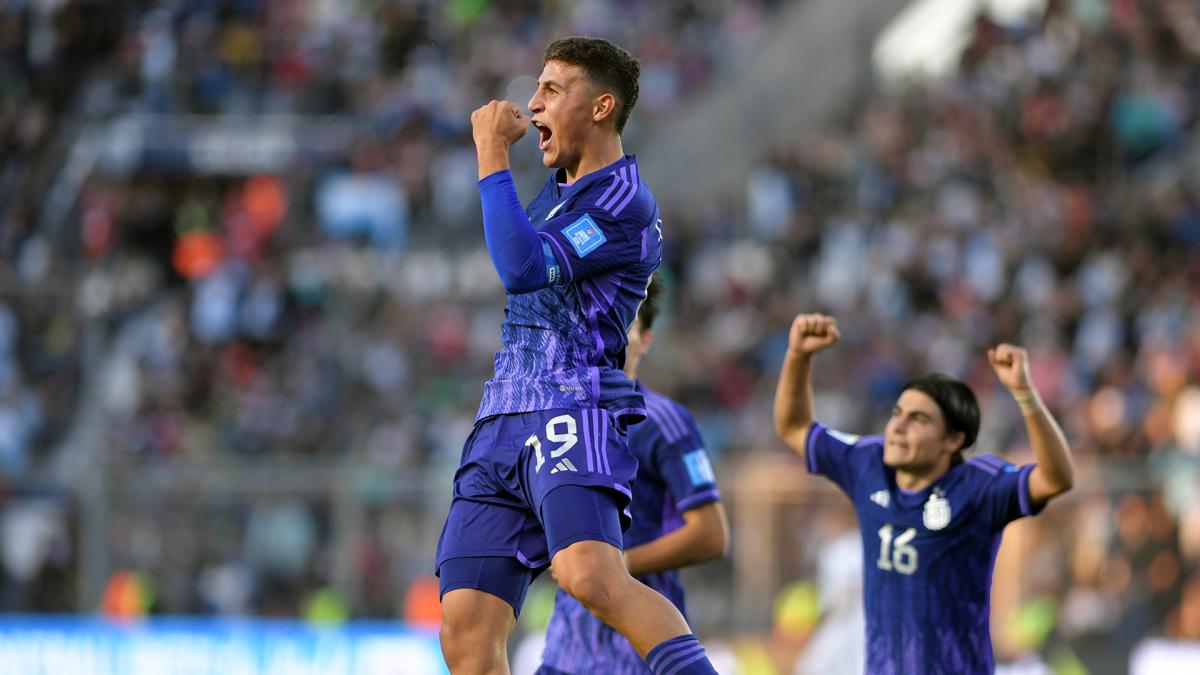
(584, 181)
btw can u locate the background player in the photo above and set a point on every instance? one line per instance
(678, 520)
(544, 478)
(930, 522)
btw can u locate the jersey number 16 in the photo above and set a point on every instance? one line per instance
(897, 554)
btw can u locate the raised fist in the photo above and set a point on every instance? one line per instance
(811, 333)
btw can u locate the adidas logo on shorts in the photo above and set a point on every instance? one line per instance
(564, 465)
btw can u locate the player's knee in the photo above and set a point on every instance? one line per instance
(468, 647)
(452, 643)
(591, 581)
(473, 634)
(595, 589)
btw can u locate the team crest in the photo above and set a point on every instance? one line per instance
(937, 511)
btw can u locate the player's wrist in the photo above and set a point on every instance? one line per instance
(491, 143)
(800, 353)
(493, 157)
(1027, 398)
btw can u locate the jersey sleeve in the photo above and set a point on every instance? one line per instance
(1003, 490)
(839, 456)
(682, 461)
(604, 232)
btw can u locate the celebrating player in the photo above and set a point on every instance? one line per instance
(678, 520)
(931, 523)
(544, 478)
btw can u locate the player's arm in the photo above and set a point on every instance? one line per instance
(1054, 473)
(703, 536)
(525, 262)
(810, 333)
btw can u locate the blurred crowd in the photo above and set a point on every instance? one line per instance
(336, 311)
(1046, 194)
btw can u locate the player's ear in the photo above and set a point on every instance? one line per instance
(647, 339)
(604, 107)
(955, 440)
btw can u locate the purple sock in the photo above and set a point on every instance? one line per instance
(681, 655)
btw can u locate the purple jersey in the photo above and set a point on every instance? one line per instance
(564, 345)
(674, 474)
(928, 555)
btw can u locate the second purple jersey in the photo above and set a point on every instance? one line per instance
(564, 345)
(674, 475)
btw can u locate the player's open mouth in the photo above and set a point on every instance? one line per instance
(545, 133)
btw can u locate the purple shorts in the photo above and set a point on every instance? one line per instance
(511, 462)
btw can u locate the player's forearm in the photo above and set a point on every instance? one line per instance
(517, 251)
(793, 397)
(1050, 448)
(492, 156)
(689, 545)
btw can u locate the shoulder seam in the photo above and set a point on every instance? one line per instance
(617, 180)
(659, 409)
(621, 192)
(981, 463)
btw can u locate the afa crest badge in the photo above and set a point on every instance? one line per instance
(937, 511)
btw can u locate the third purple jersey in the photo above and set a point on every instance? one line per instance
(928, 555)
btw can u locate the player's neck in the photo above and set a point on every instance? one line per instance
(596, 155)
(915, 481)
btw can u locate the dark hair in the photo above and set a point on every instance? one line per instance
(605, 64)
(957, 402)
(648, 311)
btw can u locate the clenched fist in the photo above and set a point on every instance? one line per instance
(1011, 364)
(811, 333)
(498, 122)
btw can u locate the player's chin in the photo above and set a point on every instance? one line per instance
(895, 458)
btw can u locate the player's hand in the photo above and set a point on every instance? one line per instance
(811, 333)
(498, 122)
(1011, 364)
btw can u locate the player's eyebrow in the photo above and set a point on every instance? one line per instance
(552, 83)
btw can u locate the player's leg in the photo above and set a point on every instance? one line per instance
(474, 633)
(481, 599)
(583, 530)
(482, 582)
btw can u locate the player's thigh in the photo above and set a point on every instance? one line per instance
(476, 613)
(489, 515)
(573, 514)
(492, 584)
(475, 629)
(584, 537)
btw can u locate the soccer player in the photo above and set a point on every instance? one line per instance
(678, 520)
(930, 522)
(544, 477)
